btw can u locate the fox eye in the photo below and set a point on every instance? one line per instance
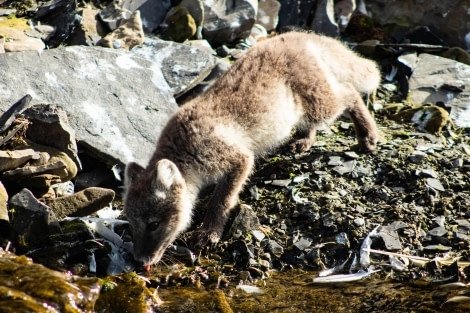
(152, 226)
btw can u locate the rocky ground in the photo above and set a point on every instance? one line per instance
(315, 210)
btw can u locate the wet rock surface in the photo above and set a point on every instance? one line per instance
(399, 214)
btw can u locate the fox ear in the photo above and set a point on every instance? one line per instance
(133, 171)
(167, 174)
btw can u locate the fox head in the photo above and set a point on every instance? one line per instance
(156, 207)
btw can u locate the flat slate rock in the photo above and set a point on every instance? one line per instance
(436, 79)
(116, 102)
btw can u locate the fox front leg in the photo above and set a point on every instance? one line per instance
(223, 201)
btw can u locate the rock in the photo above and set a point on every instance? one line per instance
(390, 238)
(245, 221)
(324, 19)
(343, 12)
(430, 118)
(188, 17)
(14, 158)
(152, 12)
(3, 203)
(446, 19)
(90, 31)
(7, 118)
(417, 156)
(183, 67)
(112, 15)
(226, 22)
(32, 221)
(303, 243)
(437, 232)
(345, 168)
(268, 13)
(434, 184)
(128, 35)
(289, 12)
(275, 248)
(116, 101)
(436, 79)
(14, 31)
(50, 126)
(181, 24)
(37, 176)
(63, 16)
(2, 44)
(81, 203)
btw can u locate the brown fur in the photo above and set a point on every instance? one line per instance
(296, 81)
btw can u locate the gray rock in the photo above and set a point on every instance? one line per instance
(7, 118)
(434, 184)
(303, 243)
(152, 11)
(464, 224)
(324, 19)
(390, 238)
(437, 79)
(268, 13)
(90, 31)
(50, 126)
(183, 66)
(437, 232)
(258, 235)
(345, 168)
(445, 18)
(32, 221)
(275, 248)
(63, 16)
(226, 21)
(417, 156)
(116, 101)
(245, 221)
(112, 16)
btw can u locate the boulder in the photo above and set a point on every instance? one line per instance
(183, 66)
(436, 79)
(116, 101)
(228, 21)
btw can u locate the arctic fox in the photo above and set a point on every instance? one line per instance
(292, 82)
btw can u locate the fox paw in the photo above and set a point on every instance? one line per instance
(201, 238)
(368, 144)
(301, 145)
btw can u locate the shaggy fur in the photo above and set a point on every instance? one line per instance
(296, 81)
